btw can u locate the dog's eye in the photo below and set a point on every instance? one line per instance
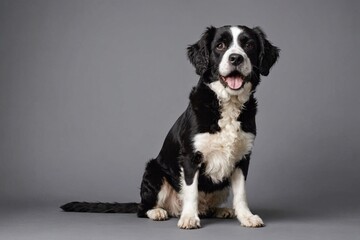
(250, 45)
(221, 46)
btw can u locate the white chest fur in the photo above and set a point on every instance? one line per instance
(223, 149)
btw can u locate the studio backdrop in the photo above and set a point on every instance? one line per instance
(89, 90)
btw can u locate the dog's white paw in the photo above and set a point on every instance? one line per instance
(252, 221)
(189, 222)
(157, 214)
(224, 213)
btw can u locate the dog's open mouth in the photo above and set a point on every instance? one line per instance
(234, 80)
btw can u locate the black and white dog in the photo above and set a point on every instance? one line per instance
(207, 151)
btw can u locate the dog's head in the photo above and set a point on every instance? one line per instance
(233, 55)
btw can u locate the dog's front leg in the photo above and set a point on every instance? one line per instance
(241, 207)
(189, 218)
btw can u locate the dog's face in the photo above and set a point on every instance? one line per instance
(233, 55)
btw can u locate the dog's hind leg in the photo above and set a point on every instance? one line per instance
(150, 187)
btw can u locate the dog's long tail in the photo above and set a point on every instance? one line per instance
(98, 207)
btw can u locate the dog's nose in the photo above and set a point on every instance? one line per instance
(236, 59)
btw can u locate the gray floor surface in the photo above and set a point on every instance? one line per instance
(49, 222)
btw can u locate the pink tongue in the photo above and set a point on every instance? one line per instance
(234, 82)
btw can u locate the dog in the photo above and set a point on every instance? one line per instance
(207, 151)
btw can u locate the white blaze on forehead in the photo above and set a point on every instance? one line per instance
(235, 32)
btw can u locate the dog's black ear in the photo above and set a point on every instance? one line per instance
(268, 52)
(199, 52)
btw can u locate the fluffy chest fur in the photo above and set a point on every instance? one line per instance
(223, 149)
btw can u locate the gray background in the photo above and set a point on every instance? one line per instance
(89, 89)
